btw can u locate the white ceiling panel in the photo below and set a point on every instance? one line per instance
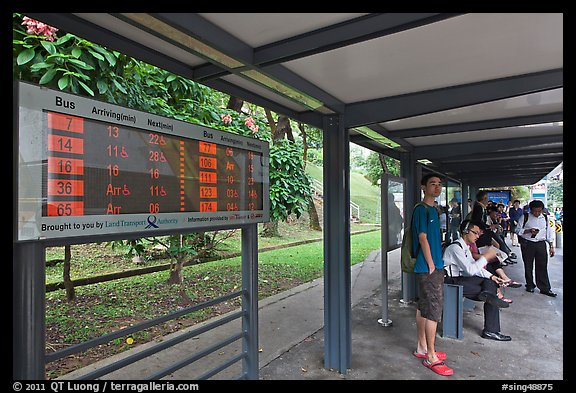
(532, 104)
(447, 53)
(272, 27)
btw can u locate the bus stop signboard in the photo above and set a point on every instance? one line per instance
(88, 168)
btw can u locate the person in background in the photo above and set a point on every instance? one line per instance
(455, 214)
(442, 214)
(534, 232)
(503, 219)
(480, 214)
(429, 275)
(493, 224)
(515, 212)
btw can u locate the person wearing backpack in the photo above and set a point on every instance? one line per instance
(429, 271)
(533, 232)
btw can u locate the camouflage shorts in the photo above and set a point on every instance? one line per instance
(431, 294)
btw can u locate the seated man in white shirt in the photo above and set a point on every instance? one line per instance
(478, 283)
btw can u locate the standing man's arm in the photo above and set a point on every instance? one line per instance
(549, 236)
(423, 240)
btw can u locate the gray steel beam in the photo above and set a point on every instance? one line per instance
(407, 105)
(342, 34)
(308, 117)
(445, 151)
(502, 163)
(478, 125)
(337, 275)
(509, 154)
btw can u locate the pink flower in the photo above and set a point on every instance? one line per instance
(227, 119)
(249, 122)
(38, 28)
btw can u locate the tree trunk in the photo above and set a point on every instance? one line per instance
(270, 229)
(68, 284)
(383, 163)
(176, 271)
(235, 103)
(283, 128)
(313, 213)
(304, 143)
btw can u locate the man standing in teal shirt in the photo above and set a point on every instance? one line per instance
(429, 270)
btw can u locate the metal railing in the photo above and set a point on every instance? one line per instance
(53, 356)
(248, 331)
(318, 189)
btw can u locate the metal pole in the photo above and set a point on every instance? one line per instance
(28, 311)
(337, 276)
(384, 321)
(411, 171)
(250, 366)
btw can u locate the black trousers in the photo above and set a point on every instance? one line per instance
(486, 240)
(472, 286)
(535, 256)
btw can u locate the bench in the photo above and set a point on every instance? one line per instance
(452, 315)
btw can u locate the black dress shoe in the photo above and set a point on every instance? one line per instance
(495, 336)
(548, 293)
(529, 289)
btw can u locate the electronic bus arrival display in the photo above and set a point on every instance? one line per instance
(91, 168)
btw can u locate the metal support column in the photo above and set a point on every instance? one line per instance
(28, 311)
(409, 170)
(384, 321)
(465, 197)
(337, 292)
(250, 364)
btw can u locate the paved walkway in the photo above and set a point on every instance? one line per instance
(291, 336)
(534, 321)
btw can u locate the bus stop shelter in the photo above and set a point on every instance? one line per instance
(477, 97)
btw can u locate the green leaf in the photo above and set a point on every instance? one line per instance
(85, 86)
(63, 82)
(80, 64)
(50, 48)
(48, 76)
(102, 86)
(171, 77)
(25, 56)
(120, 87)
(39, 66)
(77, 52)
(64, 39)
(96, 55)
(110, 57)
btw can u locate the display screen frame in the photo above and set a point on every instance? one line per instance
(32, 103)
